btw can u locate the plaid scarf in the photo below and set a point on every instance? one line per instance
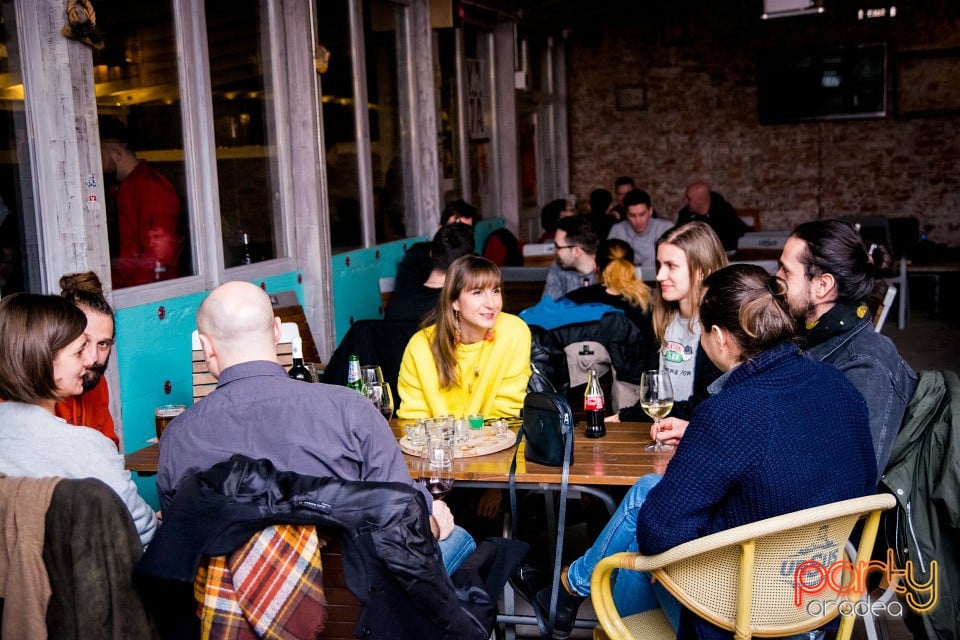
(271, 587)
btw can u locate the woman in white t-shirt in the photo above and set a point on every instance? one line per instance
(686, 255)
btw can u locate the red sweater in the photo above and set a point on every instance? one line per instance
(90, 409)
(148, 211)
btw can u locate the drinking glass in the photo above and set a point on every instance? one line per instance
(656, 399)
(416, 433)
(379, 394)
(436, 464)
(371, 374)
(461, 430)
(164, 414)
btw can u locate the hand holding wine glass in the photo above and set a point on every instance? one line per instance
(656, 400)
(670, 431)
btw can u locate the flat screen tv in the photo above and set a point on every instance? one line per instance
(798, 85)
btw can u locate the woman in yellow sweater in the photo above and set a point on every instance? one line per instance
(470, 358)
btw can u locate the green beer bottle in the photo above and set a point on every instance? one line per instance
(353, 373)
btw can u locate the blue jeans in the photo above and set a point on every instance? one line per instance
(633, 591)
(455, 548)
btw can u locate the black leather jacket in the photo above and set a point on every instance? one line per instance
(631, 352)
(391, 560)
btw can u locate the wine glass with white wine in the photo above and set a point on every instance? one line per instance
(656, 400)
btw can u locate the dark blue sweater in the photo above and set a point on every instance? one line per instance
(785, 433)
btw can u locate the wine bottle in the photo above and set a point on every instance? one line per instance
(245, 256)
(593, 406)
(353, 373)
(298, 371)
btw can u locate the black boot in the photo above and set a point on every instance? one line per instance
(567, 606)
(528, 580)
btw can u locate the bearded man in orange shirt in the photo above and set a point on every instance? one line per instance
(92, 407)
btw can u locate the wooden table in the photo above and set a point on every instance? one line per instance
(143, 461)
(616, 459)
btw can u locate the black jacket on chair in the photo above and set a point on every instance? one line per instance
(392, 562)
(630, 351)
(374, 342)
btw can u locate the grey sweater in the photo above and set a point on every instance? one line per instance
(36, 444)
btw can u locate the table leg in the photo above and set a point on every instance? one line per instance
(508, 617)
(936, 293)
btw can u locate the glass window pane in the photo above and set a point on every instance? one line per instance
(19, 248)
(339, 132)
(385, 147)
(245, 134)
(448, 116)
(138, 100)
(478, 58)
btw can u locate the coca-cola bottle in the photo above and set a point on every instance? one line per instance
(593, 406)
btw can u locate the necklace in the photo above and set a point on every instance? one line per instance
(470, 375)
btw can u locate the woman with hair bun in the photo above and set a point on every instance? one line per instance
(730, 469)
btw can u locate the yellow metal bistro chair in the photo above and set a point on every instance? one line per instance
(742, 579)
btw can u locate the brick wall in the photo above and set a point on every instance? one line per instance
(696, 61)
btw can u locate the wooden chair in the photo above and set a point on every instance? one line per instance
(734, 578)
(343, 608)
(203, 380)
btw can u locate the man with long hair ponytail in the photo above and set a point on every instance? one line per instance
(834, 283)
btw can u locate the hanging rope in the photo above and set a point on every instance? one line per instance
(82, 24)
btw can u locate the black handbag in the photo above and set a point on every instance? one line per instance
(548, 427)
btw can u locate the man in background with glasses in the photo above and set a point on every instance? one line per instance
(575, 244)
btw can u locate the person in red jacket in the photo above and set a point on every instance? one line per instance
(147, 209)
(92, 407)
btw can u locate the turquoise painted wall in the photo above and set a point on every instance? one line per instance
(356, 276)
(152, 351)
(356, 282)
